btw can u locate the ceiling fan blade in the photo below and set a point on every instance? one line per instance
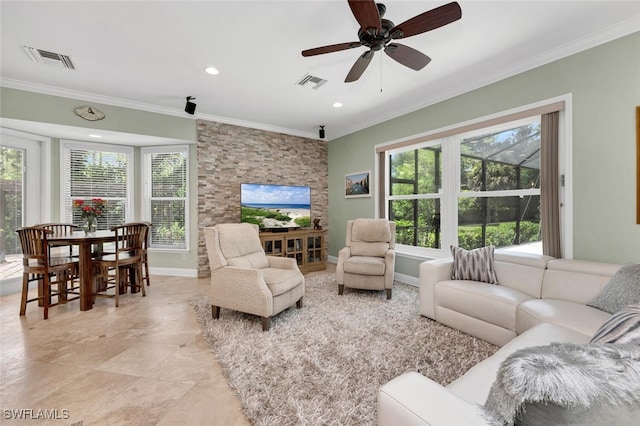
(407, 56)
(331, 48)
(427, 21)
(366, 13)
(360, 66)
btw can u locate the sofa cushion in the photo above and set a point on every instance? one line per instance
(365, 265)
(521, 271)
(256, 260)
(576, 280)
(474, 385)
(622, 327)
(280, 281)
(240, 244)
(494, 304)
(474, 265)
(370, 230)
(361, 248)
(571, 315)
(622, 290)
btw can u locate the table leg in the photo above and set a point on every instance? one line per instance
(86, 276)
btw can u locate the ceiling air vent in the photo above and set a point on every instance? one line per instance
(311, 82)
(50, 58)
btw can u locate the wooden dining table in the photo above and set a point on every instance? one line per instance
(85, 243)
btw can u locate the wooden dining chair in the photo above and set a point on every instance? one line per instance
(40, 266)
(122, 267)
(65, 229)
(145, 253)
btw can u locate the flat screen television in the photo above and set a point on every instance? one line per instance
(276, 207)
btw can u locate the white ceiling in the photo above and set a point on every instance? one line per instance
(150, 55)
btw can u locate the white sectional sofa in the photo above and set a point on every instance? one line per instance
(531, 289)
(538, 300)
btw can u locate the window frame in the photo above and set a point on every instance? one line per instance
(66, 209)
(450, 196)
(147, 193)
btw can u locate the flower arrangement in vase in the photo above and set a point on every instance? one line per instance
(90, 210)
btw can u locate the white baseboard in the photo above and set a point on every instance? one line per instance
(407, 279)
(174, 272)
(11, 286)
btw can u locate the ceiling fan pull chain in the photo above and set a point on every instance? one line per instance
(380, 56)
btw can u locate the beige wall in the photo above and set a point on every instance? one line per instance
(605, 86)
(230, 155)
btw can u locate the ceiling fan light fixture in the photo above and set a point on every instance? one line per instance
(211, 70)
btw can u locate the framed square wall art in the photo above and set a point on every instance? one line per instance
(357, 185)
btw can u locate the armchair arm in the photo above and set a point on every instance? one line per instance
(343, 254)
(412, 399)
(242, 290)
(432, 272)
(390, 264)
(279, 262)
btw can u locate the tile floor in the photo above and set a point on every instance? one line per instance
(144, 363)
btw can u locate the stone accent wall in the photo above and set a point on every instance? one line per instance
(230, 155)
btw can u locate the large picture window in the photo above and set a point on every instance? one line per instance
(165, 195)
(472, 189)
(97, 171)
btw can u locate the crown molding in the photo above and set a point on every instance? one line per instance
(611, 33)
(124, 103)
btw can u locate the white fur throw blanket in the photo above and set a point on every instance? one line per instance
(567, 375)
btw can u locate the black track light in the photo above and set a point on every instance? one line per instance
(321, 132)
(190, 107)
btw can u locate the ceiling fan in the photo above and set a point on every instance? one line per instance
(377, 34)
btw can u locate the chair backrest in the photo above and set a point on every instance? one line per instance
(33, 241)
(146, 233)
(130, 237)
(59, 228)
(235, 244)
(370, 237)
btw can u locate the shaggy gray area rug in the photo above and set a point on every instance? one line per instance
(323, 364)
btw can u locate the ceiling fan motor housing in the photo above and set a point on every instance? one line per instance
(374, 40)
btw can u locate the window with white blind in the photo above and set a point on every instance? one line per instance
(97, 171)
(165, 195)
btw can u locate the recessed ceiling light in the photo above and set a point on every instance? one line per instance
(211, 70)
(337, 104)
(95, 136)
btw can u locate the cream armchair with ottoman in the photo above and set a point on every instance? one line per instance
(244, 279)
(368, 260)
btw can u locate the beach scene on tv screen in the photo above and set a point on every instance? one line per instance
(276, 206)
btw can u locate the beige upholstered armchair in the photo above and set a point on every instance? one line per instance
(244, 279)
(368, 260)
